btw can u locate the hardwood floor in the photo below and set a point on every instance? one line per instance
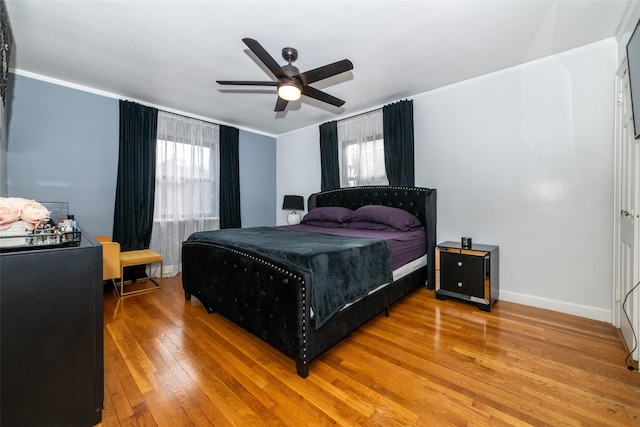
(431, 363)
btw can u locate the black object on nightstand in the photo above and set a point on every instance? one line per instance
(467, 274)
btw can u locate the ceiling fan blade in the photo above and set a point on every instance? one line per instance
(281, 104)
(246, 83)
(326, 71)
(322, 96)
(264, 56)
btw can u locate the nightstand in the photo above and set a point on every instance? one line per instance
(467, 274)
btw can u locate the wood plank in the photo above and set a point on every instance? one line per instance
(169, 362)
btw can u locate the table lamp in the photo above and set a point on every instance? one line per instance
(294, 203)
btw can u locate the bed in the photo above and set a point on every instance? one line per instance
(280, 299)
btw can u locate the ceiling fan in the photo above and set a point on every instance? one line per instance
(291, 82)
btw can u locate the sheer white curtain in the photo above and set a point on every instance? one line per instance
(187, 185)
(361, 152)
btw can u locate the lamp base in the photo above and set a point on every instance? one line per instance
(293, 218)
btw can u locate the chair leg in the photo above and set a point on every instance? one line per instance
(121, 292)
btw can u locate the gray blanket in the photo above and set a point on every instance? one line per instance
(342, 269)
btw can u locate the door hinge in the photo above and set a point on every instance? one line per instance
(617, 293)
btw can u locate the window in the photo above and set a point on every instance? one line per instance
(187, 184)
(186, 174)
(361, 150)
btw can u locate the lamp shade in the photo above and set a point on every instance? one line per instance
(293, 202)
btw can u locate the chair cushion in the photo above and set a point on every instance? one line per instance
(139, 257)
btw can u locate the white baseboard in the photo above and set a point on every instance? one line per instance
(561, 306)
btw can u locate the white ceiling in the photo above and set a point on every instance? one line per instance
(170, 53)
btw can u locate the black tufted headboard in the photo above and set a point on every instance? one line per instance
(419, 201)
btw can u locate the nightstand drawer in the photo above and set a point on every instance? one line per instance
(455, 264)
(464, 284)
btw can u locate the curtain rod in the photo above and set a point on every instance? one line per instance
(368, 112)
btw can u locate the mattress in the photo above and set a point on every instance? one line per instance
(406, 246)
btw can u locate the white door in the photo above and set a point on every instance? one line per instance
(627, 223)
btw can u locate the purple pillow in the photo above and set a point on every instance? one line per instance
(329, 224)
(366, 225)
(393, 217)
(328, 213)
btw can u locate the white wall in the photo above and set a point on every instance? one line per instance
(523, 159)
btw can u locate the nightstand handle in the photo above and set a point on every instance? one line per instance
(459, 263)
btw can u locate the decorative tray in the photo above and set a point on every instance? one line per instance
(40, 238)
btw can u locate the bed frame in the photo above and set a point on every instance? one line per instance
(271, 300)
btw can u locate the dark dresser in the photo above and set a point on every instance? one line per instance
(51, 355)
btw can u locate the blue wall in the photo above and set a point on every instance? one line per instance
(257, 179)
(63, 146)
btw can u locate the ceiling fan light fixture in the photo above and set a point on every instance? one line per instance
(289, 91)
(291, 83)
